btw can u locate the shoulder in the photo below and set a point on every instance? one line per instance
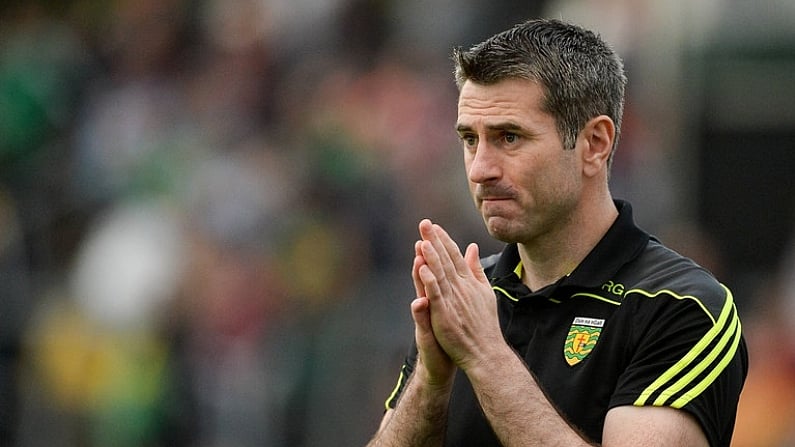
(659, 272)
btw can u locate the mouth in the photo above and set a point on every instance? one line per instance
(491, 204)
(494, 197)
(493, 193)
(493, 200)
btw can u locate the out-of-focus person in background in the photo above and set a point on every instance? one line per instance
(205, 204)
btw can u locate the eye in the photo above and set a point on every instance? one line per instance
(469, 140)
(510, 138)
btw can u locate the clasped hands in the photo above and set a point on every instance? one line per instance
(455, 313)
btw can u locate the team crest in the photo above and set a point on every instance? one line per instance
(583, 335)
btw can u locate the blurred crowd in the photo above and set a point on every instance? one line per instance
(208, 209)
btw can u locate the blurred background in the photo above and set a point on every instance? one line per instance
(208, 208)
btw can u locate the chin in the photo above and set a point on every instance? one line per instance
(501, 229)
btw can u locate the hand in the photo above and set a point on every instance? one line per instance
(434, 364)
(461, 304)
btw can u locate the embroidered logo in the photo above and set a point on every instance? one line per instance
(583, 335)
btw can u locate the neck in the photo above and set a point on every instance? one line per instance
(557, 254)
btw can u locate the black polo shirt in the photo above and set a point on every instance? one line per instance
(634, 324)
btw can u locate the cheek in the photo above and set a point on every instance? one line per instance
(564, 182)
(551, 181)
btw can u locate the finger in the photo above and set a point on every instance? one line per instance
(452, 265)
(433, 249)
(428, 232)
(419, 311)
(415, 276)
(433, 273)
(430, 282)
(472, 258)
(452, 250)
(438, 365)
(425, 226)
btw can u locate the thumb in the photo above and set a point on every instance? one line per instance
(423, 329)
(472, 258)
(420, 312)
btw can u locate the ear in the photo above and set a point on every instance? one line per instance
(598, 135)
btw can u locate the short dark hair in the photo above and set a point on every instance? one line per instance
(580, 74)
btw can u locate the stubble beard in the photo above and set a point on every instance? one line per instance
(527, 227)
(507, 229)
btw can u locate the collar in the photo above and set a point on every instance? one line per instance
(622, 243)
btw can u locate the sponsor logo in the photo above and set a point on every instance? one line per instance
(583, 335)
(616, 288)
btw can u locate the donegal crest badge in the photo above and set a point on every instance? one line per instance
(583, 335)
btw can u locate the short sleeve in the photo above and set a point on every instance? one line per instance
(689, 354)
(403, 377)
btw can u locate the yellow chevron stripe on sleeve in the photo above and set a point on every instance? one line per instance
(696, 390)
(401, 380)
(687, 379)
(686, 361)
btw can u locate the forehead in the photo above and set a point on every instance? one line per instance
(511, 100)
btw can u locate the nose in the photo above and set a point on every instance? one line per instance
(483, 164)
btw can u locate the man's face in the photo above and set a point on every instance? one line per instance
(523, 182)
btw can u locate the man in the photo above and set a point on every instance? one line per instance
(598, 334)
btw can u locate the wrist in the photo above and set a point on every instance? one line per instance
(490, 361)
(435, 383)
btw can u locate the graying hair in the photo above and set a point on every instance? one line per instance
(580, 74)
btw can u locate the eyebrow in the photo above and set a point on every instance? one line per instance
(509, 126)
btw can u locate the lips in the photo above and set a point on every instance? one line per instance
(493, 194)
